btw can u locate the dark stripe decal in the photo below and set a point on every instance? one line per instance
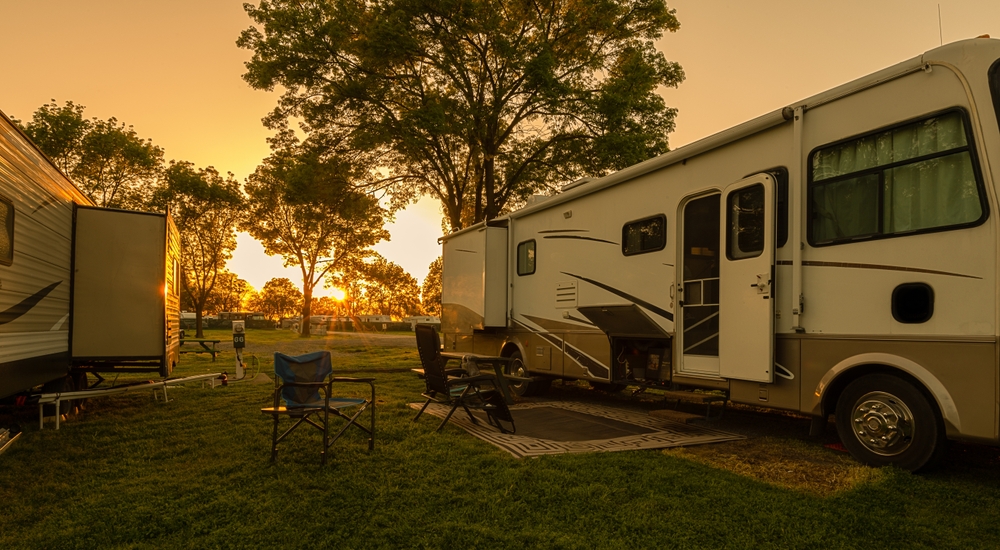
(26, 304)
(579, 320)
(43, 204)
(878, 267)
(596, 369)
(564, 231)
(657, 310)
(578, 237)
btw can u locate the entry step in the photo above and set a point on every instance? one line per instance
(675, 416)
(692, 397)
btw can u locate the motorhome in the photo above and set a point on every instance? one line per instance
(835, 257)
(82, 289)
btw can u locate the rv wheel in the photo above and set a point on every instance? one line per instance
(883, 419)
(526, 387)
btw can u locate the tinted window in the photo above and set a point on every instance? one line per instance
(646, 235)
(6, 232)
(745, 223)
(912, 178)
(995, 88)
(526, 258)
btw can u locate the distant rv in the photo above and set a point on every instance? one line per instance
(82, 289)
(838, 256)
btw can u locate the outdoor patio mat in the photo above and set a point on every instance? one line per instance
(566, 427)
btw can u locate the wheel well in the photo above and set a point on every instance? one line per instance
(836, 387)
(509, 348)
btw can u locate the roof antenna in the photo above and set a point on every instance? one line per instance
(940, 33)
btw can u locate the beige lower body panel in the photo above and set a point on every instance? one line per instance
(961, 373)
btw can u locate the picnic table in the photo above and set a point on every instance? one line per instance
(204, 343)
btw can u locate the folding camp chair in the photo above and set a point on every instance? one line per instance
(298, 382)
(456, 387)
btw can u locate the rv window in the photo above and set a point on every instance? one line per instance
(526, 258)
(646, 235)
(177, 279)
(995, 88)
(745, 223)
(913, 178)
(6, 232)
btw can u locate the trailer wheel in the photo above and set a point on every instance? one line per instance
(883, 419)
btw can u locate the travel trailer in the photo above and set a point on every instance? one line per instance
(837, 256)
(82, 289)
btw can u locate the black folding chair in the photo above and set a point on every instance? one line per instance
(299, 382)
(456, 387)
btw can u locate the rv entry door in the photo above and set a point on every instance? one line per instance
(746, 301)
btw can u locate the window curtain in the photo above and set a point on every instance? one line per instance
(924, 194)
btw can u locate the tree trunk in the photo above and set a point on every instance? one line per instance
(489, 175)
(307, 292)
(200, 308)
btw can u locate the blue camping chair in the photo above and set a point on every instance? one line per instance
(299, 382)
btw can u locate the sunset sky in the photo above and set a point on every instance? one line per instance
(173, 71)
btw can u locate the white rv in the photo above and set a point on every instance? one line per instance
(82, 289)
(838, 256)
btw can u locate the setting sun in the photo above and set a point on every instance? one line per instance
(337, 294)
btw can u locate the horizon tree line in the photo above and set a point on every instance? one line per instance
(298, 206)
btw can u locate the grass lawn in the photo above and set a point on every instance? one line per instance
(130, 472)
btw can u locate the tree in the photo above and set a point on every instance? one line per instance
(107, 159)
(430, 291)
(229, 294)
(479, 103)
(58, 132)
(279, 298)
(206, 208)
(324, 305)
(304, 208)
(379, 287)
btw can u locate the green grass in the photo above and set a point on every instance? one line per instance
(130, 472)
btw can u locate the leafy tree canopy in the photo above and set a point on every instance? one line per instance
(279, 298)
(430, 291)
(479, 103)
(107, 159)
(206, 208)
(376, 286)
(229, 294)
(304, 207)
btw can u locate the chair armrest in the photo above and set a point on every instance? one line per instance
(351, 379)
(304, 384)
(472, 379)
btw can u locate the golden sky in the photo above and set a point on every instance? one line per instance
(172, 70)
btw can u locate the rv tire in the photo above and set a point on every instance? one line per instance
(528, 387)
(883, 419)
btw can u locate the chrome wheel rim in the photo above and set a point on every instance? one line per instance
(883, 423)
(517, 368)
